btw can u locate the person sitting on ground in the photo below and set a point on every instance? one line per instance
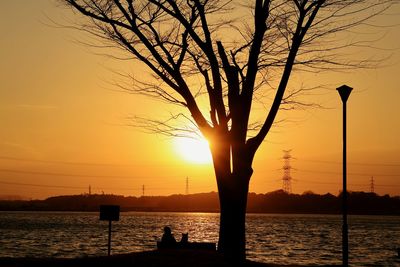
(185, 238)
(184, 243)
(168, 239)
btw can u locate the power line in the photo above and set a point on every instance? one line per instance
(111, 164)
(333, 183)
(352, 184)
(71, 187)
(351, 173)
(77, 175)
(65, 174)
(43, 185)
(387, 185)
(354, 163)
(85, 175)
(333, 172)
(62, 162)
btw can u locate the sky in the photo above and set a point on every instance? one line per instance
(64, 126)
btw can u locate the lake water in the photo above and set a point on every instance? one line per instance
(271, 238)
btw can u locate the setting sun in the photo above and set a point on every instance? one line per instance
(193, 150)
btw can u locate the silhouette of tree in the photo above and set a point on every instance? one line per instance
(232, 52)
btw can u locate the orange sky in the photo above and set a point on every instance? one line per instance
(63, 127)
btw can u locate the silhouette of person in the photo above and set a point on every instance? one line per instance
(184, 243)
(185, 238)
(168, 239)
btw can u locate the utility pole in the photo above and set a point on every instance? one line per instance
(287, 178)
(372, 185)
(142, 190)
(90, 190)
(187, 185)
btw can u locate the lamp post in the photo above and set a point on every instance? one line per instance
(344, 92)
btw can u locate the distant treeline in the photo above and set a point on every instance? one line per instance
(273, 202)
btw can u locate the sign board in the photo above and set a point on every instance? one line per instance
(109, 213)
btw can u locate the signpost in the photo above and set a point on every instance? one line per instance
(109, 213)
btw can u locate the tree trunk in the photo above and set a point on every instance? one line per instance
(233, 186)
(232, 233)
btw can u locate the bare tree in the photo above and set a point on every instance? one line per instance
(233, 52)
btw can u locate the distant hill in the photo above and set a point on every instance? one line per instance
(273, 202)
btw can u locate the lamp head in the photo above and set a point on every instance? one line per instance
(344, 92)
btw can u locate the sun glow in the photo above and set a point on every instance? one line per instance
(193, 150)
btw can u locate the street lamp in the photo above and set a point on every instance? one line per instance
(344, 92)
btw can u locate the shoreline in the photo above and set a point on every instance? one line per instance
(211, 212)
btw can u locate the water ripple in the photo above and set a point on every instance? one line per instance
(283, 239)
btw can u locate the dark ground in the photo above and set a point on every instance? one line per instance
(162, 258)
